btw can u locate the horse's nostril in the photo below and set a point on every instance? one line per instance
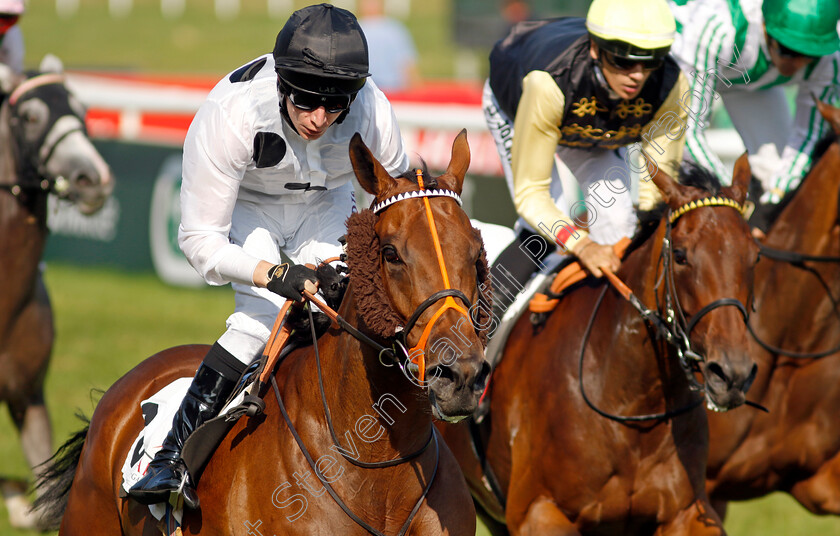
(481, 377)
(84, 180)
(716, 370)
(442, 373)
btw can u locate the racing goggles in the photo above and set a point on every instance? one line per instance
(786, 52)
(303, 100)
(627, 64)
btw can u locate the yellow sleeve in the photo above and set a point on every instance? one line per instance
(663, 141)
(536, 134)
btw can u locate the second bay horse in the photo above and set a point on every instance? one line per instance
(795, 447)
(594, 427)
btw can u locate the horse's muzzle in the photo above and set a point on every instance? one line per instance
(727, 385)
(454, 389)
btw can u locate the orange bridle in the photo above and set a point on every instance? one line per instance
(448, 303)
(417, 353)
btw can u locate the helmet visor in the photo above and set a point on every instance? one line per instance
(319, 84)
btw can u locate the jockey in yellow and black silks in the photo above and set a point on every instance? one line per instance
(601, 96)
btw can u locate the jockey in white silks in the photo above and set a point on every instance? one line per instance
(266, 170)
(745, 52)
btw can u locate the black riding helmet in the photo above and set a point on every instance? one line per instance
(321, 50)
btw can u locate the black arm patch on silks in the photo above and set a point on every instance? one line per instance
(269, 149)
(247, 72)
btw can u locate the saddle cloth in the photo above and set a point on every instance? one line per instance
(158, 411)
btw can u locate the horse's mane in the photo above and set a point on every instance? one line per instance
(820, 149)
(691, 174)
(363, 258)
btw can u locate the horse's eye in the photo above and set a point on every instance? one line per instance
(680, 256)
(389, 253)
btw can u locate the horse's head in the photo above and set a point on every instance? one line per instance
(427, 264)
(52, 149)
(709, 260)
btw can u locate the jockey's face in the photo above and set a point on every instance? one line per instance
(310, 124)
(787, 61)
(626, 82)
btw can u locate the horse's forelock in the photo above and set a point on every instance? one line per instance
(699, 177)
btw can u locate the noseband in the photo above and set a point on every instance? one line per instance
(31, 167)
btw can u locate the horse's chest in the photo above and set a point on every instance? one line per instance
(634, 488)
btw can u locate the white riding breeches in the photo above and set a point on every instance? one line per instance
(305, 232)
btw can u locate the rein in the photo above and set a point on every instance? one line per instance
(798, 260)
(671, 325)
(359, 521)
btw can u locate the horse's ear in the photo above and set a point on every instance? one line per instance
(51, 64)
(741, 176)
(830, 113)
(667, 186)
(370, 173)
(458, 164)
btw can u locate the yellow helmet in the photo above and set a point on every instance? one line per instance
(638, 29)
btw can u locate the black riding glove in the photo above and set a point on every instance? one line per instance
(288, 280)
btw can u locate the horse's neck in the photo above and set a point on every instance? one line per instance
(807, 225)
(22, 230)
(657, 368)
(366, 399)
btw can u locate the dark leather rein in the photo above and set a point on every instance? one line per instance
(798, 260)
(669, 324)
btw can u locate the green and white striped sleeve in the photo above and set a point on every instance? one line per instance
(715, 38)
(808, 126)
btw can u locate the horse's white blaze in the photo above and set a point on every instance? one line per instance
(74, 157)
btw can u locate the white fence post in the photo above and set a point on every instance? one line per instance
(399, 9)
(227, 9)
(119, 9)
(172, 9)
(349, 5)
(278, 9)
(66, 8)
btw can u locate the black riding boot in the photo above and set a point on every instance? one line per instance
(204, 400)
(514, 267)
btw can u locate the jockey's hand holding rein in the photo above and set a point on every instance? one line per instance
(287, 280)
(593, 256)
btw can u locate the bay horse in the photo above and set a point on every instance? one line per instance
(795, 447)
(415, 264)
(594, 427)
(44, 149)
